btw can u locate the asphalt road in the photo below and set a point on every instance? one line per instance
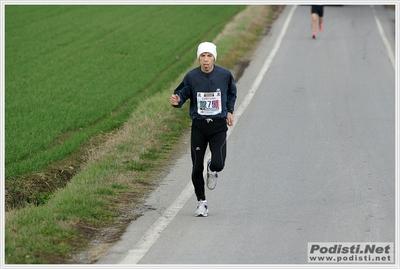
(310, 159)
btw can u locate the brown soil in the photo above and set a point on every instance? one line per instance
(34, 188)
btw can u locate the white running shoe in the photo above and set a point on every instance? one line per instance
(211, 177)
(202, 209)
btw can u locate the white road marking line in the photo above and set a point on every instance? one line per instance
(384, 39)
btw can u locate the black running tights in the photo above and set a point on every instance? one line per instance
(212, 133)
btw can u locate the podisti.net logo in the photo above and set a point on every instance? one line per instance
(358, 252)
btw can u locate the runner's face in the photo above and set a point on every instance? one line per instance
(206, 62)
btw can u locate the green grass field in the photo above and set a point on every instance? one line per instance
(75, 71)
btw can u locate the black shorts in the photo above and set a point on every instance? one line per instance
(318, 9)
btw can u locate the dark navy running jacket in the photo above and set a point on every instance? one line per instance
(196, 81)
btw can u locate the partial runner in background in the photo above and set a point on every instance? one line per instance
(317, 12)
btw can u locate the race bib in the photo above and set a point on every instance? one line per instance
(209, 103)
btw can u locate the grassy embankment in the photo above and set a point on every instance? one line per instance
(73, 72)
(89, 77)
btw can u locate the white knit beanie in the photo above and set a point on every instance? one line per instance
(207, 47)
